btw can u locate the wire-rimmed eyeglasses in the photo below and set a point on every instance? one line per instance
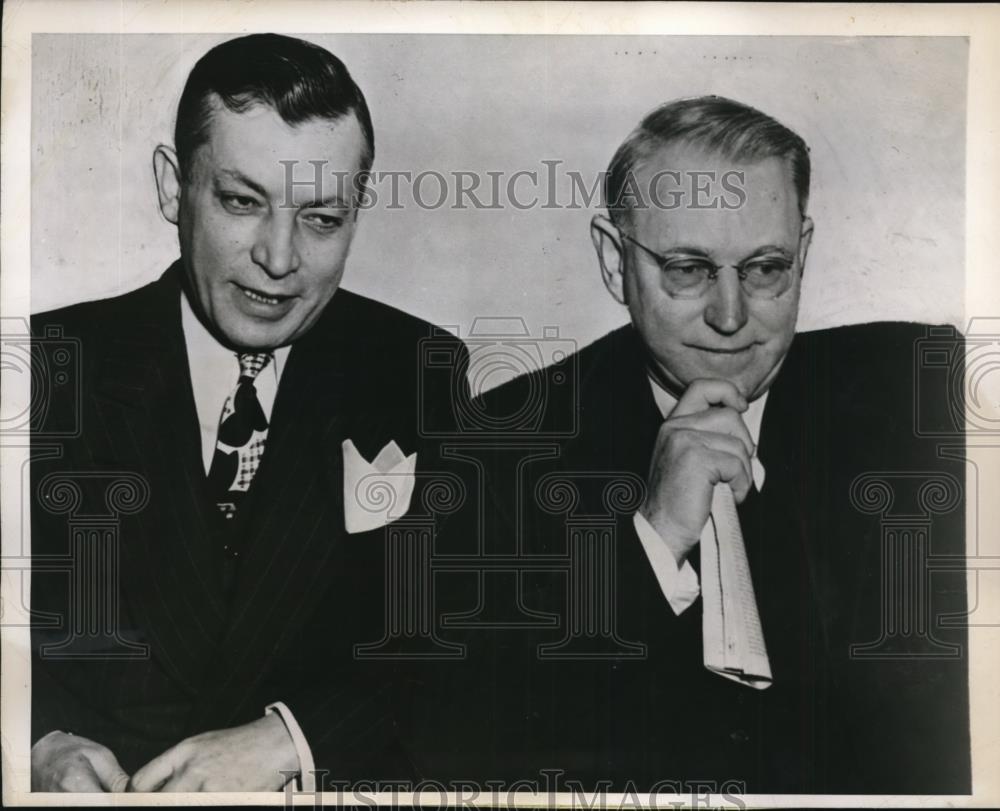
(765, 275)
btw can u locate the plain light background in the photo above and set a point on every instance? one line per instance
(931, 93)
(884, 118)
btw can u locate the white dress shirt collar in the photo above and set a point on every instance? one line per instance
(215, 370)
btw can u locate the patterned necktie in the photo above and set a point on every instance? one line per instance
(241, 439)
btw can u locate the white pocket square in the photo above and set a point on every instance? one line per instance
(377, 492)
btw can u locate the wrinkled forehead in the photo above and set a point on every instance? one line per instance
(680, 190)
(262, 146)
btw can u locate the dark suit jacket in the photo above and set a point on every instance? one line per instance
(835, 560)
(137, 644)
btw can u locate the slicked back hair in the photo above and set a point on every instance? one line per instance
(300, 81)
(716, 125)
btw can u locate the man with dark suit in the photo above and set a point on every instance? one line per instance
(844, 509)
(220, 569)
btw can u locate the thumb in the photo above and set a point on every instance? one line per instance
(705, 393)
(155, 773)
(112, 776)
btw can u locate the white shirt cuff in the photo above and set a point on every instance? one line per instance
(679, 585)
(307, 768)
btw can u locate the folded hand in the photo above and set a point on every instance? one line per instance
(64, 762)
(258, 756)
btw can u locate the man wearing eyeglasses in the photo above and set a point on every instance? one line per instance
(713, 293)
(708, 396)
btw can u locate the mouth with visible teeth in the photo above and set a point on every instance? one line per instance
(261, 297)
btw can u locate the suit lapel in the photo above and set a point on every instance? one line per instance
(791, 530)
(626, 420)
(623, 430)
(294, 520)
(779, 525)
(145, 402)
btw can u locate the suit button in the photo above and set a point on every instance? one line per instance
(739, 736)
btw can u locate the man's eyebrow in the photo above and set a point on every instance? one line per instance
(242, 178)
(687, 250)
(333, 201)
(766, 250)
(701, 253)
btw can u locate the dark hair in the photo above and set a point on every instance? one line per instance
(733, 130)
(297, 79)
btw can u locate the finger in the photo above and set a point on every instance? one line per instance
(179, 782)
(80, 777)
(119, 784)
(705, 393)
(730, 469)
(719, 420)
(679, 449)
(183, 781)
(730, 447)
(60, 762)
(158, 771)
(112, 776)
(704, 450)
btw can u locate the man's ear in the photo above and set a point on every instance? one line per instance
(610, 255)
(168, 182)
(805, 237)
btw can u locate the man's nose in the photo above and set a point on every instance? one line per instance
(726, 310)
(274, 248)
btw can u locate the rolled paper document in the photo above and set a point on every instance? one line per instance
(733, 640)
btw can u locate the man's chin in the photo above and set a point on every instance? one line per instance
(254, 338)
(757, 386)
(751, 381)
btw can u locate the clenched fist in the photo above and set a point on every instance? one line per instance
(61, 761)
(704, 441)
